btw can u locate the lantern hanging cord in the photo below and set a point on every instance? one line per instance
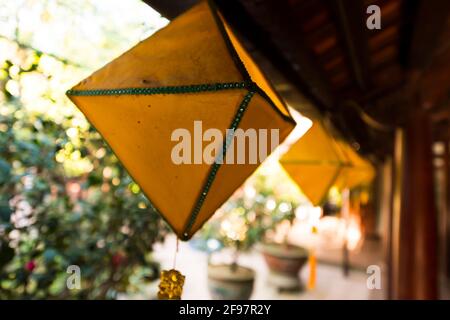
(176, 253)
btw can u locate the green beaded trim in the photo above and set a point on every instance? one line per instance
(164, 90)
(215, 167)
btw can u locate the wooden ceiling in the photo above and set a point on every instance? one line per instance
(364, 80)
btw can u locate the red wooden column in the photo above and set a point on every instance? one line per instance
(415, 252)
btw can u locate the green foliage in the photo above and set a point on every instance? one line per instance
(64, 197)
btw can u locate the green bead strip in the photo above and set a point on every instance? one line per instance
(215, 167)
(163, 90)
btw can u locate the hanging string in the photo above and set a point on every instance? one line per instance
(175, 255)
(171, 281)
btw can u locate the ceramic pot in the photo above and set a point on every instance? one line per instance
(226, 282)
(285, 262)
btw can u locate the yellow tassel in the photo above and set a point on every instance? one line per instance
(312, 261)
(171, 285)
(312, 271)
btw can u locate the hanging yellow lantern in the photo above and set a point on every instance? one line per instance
(358, 172)
(314, 163)
(192, 70)
(317, 162)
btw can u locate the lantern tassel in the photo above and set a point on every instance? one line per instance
(312, 261)
(171, 281)
(312, 270)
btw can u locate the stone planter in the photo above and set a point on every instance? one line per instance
(230, 283)
(285, 263)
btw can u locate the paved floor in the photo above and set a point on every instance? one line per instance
(331, 284)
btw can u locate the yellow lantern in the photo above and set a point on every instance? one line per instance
(314, 162)
(357, 172)
(317, 162)
(192, 70)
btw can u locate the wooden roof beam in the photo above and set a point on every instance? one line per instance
(427, 26)
(349, 16)
(270, 28)
(299, 69)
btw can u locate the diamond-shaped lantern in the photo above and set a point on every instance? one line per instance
(192, 70)
(317, 162)
(358, 170)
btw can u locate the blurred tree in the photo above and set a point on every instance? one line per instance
(64, 197)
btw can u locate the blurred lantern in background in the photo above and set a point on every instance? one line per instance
(357, 170)
(314, 163)
(318, 161)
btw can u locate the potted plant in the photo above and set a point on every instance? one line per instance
(275, 206)
(234, 229)
(250, 216)
(231, 281)
(284, 260)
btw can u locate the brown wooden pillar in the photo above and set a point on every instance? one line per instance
(415, 226)
(447, 215)
(385, 197)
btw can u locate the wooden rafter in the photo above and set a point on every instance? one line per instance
(429, 23)
(350, 19)
(256, 24)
